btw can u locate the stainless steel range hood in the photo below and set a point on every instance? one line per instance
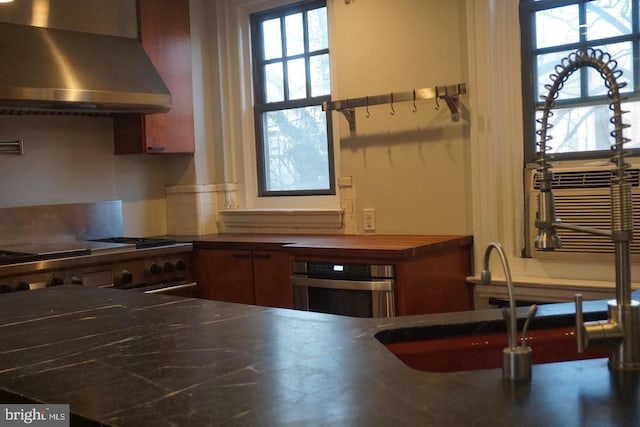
(59, 71)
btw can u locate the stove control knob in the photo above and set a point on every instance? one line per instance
(75, 280)
(5, 288)
(168, 267)
(181, 265)
(23, 286)
(55, 281)
(123, 278)
(154, 268)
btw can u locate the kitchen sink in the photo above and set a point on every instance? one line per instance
(479, 345)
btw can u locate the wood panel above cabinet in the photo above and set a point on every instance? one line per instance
(164, 31)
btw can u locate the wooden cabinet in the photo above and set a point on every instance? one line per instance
(430, 271)
(224, 275)
(164, 31)
(244, 276)
(435, 283)
(272, 279)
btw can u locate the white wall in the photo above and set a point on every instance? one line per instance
(69, 159)
(412, 168)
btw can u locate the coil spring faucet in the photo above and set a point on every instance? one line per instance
(621, 331)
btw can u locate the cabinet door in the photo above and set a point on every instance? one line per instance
(272, 279)
(164, 32)
(224, 275)
(435, 283)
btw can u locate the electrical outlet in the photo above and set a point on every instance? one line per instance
(369, 216)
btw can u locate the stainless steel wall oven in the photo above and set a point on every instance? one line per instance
(359, 290)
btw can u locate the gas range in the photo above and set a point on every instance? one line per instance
(152, 265)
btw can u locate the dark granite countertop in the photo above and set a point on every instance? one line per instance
(131, 359)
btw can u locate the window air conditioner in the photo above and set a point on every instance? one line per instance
(582, 197)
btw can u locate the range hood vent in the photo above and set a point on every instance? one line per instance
(46, 70)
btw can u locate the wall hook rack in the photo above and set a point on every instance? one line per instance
(449, 93)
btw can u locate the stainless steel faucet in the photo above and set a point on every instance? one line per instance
(622, 330)
(516, 360)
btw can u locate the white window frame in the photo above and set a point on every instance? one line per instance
(262, 106)
(530, 79)
(233, 51)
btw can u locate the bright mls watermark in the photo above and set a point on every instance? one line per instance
(34, 415)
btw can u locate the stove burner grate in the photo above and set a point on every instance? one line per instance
(10, 257)
(140, 242)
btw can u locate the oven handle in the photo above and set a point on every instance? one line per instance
(171, 288)
(383, 285)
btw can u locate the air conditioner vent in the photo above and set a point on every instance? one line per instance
(582, 197)
(585, 179)
(594, 211)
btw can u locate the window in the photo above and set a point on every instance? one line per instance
(551, 30)
(291, 76)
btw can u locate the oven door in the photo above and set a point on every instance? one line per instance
(179, 288)
(358, 298)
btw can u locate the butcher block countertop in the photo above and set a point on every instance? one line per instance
(390, 246)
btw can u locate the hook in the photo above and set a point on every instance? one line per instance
(368, 114)
(437, 104)
(393, 110)
(415, 107)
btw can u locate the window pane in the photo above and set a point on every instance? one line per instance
(293, 141)
(295, 149)
(608, 18)
(272, 39)
(297, 79)
(582, 120)
(633, 116)
(320, 75)
(546, 67)
(623, 54)
(274, 82)
(317, 22)
(295, 34)
(580, 129)
(557, 26)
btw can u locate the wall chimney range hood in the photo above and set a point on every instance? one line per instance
(46, 70)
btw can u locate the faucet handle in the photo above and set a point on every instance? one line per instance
(602, 332)
(580, 332)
